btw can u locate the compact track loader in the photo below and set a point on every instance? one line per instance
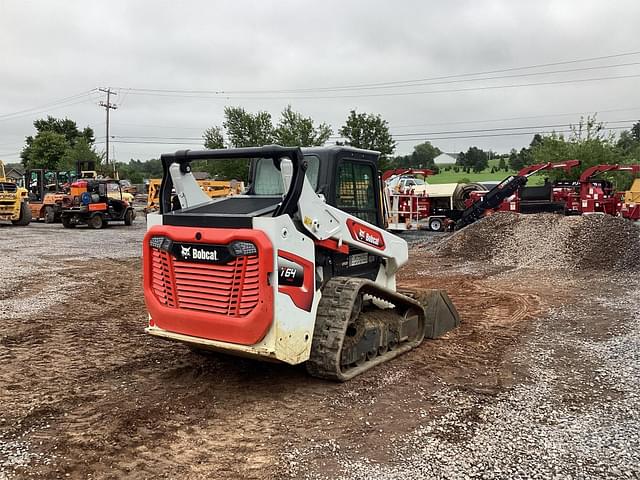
(299, 269)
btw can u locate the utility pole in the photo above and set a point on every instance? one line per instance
(108, 106)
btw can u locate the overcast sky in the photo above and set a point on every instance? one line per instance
(54, 54)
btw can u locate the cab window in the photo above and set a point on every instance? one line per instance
(268, 180)
(355, 193)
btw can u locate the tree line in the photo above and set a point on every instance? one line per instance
(58, 144)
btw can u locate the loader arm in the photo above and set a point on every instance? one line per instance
(324, 221)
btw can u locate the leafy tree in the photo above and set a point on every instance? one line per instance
(295, 130)
(536, 140)
(502, 164)
(245, 129)
(475, 158)
(629, 142)
(514, 160)
(635, 131)
(424, 153)
(421, 157)
(66, 127)
(51, 134)
(81, 150)
(213, 138)
(371, 132)
(138, 170)
(45, 150)
(588, 143)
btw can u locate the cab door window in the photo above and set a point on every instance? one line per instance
(355, 192)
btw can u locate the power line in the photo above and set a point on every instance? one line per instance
(482, 133)
(508, 134)
(495, 129)
(397, 83)
(466, 122)
(433, 124)
(151, 142)
(62, 102)
(146, 137)
(501, 129)
(396, 94)
(172, 127)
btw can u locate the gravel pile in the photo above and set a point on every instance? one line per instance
(599, 242)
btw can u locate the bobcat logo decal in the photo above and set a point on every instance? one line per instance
(186, 252)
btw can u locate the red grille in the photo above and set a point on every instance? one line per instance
(231, 289)
(161, 278)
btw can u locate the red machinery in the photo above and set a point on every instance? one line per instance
(598, 195)
(406, 199)
(545, 198)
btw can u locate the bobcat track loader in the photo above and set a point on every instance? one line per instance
(299, 269)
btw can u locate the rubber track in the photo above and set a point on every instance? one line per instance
(334, 310)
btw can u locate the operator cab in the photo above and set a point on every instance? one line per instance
(346, 177)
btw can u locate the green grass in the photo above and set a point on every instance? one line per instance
(451, 176)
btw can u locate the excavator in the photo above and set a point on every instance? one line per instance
(298, 269)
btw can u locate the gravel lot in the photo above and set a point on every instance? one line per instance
(540, 381)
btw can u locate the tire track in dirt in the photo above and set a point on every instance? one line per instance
(96, 396)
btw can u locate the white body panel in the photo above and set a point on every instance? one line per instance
(292, 328)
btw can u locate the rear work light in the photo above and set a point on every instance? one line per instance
(161, 243)
(240, 248)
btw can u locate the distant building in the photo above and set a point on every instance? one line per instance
(14, 171)
(446, 159)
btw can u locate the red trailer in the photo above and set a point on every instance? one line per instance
(407, 201)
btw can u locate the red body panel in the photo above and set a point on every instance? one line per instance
(630, 211)
(413, 206)
(302, 296)
(230, 302)
(332, 244)
(364, 234)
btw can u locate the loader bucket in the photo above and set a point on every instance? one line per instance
(442, 315)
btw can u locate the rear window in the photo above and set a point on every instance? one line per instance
(268, 181)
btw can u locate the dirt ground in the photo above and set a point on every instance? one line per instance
(85, 393)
